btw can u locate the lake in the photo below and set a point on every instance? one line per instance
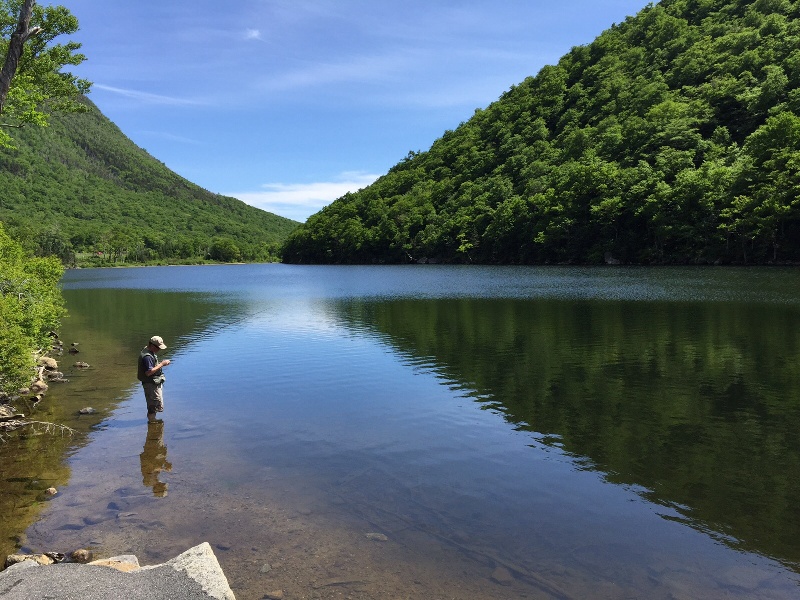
(431, 431)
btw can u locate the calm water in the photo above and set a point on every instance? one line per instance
(512, 432)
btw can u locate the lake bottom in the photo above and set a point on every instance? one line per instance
(362, 532)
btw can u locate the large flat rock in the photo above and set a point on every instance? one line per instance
(192, 575)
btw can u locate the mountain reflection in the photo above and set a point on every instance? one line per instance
(695, 402)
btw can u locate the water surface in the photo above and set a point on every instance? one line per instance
(442, 432)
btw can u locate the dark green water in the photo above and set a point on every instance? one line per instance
(608, 433)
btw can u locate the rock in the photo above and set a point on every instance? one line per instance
(56, 557)
(38, 386)
(40, 559)
(8, 412)
(502, 576)
(377, 537)
(82, 365)
(87, 411)
(265, 568)
(48, 363)
(81, 556)
(274, 595)
(51, 491)
(94, 519)
(125, 563)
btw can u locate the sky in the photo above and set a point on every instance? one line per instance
(289, 104)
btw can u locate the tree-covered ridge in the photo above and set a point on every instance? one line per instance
(80, 185)
(673, 137)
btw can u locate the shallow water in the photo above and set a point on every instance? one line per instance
(509, 432)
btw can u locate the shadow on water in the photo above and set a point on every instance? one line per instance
(109, 326)
(695, 403)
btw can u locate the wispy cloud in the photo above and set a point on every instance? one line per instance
(299, 201)
(363, 68)
(252, 34)
(146, 97)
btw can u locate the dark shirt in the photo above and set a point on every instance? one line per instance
(147, 360)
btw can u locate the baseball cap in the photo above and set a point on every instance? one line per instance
(157, 341)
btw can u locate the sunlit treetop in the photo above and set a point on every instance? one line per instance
(33, 65)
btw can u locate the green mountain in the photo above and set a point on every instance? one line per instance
(81, 186)
(674, 137)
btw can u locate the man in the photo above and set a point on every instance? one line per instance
(152, 377)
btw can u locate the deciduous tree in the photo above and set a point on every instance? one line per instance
(32, 81)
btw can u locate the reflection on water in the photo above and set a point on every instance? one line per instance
(507, 432)
(153, 459)
(696, 403)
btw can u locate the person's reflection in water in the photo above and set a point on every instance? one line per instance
(154, 458)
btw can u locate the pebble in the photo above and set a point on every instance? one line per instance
(87, 411)
(274, 595)
(266, 568)
(377, 537)
(51, 491)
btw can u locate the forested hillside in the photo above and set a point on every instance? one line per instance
(674, 137)
(81, 186)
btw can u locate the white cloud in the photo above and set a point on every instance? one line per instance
(145, 96)
(299, 201)
(252, 34)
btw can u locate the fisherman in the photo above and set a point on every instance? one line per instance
(151, 375)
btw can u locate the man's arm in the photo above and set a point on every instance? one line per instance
(152, 371)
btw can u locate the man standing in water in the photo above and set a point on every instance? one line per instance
(152, 377)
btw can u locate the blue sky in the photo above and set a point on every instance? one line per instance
(288, 104)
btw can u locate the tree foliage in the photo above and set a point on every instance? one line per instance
(671, 138)
(80, 190)
(30, 307)
(33, 82)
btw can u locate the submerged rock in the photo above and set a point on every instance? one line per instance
(502, 576)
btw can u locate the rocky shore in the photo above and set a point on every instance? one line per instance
(192, 575)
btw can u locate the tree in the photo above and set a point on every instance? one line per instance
(30, 307)
(31, 79)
